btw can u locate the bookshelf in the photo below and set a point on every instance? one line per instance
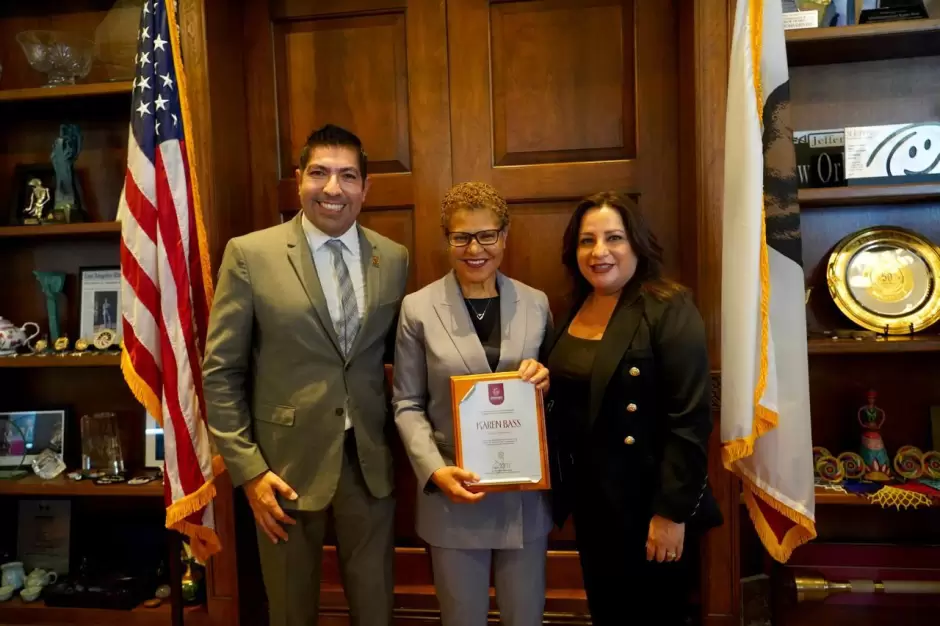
(858, 76)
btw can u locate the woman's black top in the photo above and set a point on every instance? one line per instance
(571, 363)
(484, 314)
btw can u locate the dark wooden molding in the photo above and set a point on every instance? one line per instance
(716, 391)
(705, 29)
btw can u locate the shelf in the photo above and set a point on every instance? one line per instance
(66, 91)
(79, 229)
(827, 496)
(86, 360)
(62, 486)
(917, 343)
(866, 195)
(18, 612)
(863, 42)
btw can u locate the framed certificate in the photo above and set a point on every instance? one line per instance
(499, 431)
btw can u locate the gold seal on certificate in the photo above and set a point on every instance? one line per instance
(499, 430)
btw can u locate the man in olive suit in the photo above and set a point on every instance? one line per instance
(295, 385)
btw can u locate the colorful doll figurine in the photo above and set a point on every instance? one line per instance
(871, 418)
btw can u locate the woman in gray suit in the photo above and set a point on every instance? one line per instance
(474, 320)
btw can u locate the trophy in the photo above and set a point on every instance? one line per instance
(68, 201)
(51, 284)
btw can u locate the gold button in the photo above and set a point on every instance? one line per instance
(629, 440)
(631, 407)
(634, 371)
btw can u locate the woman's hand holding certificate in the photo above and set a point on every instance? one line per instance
(534, 372)
(451, 480)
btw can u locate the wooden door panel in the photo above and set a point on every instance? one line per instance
(537, 257)
(557, 98)
(327, 67)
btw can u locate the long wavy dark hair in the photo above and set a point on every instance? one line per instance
(649, 267)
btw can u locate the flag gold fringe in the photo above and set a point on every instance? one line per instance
(204, 542)
(803, 531)
(176, 46)
(765, 420)
(139, 388)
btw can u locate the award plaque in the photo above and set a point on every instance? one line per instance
(499, 432)
(893, 11)
(885, 279)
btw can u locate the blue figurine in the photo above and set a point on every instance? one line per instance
(65, 150)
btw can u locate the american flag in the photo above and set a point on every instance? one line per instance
(166, 283)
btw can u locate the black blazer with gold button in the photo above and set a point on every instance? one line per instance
(649, 413)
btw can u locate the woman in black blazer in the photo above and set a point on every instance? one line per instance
(629, 418)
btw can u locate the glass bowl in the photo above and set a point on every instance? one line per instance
(62, 56)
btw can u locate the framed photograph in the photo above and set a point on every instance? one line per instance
(44, 534)
(24, 434)
(33, 186)
(99, 301)
(153, 443)
(499, 432)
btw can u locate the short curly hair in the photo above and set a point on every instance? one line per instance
(473, 196)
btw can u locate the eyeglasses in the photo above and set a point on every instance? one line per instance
(483, 237)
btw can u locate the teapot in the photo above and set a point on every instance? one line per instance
(12, 337)
(41, 578)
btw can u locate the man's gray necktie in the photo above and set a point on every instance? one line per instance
(347, 328)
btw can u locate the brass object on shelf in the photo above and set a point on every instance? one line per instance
(104, 339)
(62, 345)
(815, 588)
(885, 279)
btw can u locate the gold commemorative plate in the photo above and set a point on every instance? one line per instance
(885, 279)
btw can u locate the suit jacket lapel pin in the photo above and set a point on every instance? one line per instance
(375, 261)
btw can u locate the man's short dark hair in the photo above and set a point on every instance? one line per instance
(331, 135)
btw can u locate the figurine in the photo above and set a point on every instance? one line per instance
(38, 198)
(871, 419)
(65, 150)
(51, 284)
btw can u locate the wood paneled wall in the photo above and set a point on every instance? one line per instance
(548, 100)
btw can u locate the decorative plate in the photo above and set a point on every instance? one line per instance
(885, 279)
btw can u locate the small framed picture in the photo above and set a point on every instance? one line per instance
(153, 443)
(99, 301)
(24, 434)
(33, 194)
